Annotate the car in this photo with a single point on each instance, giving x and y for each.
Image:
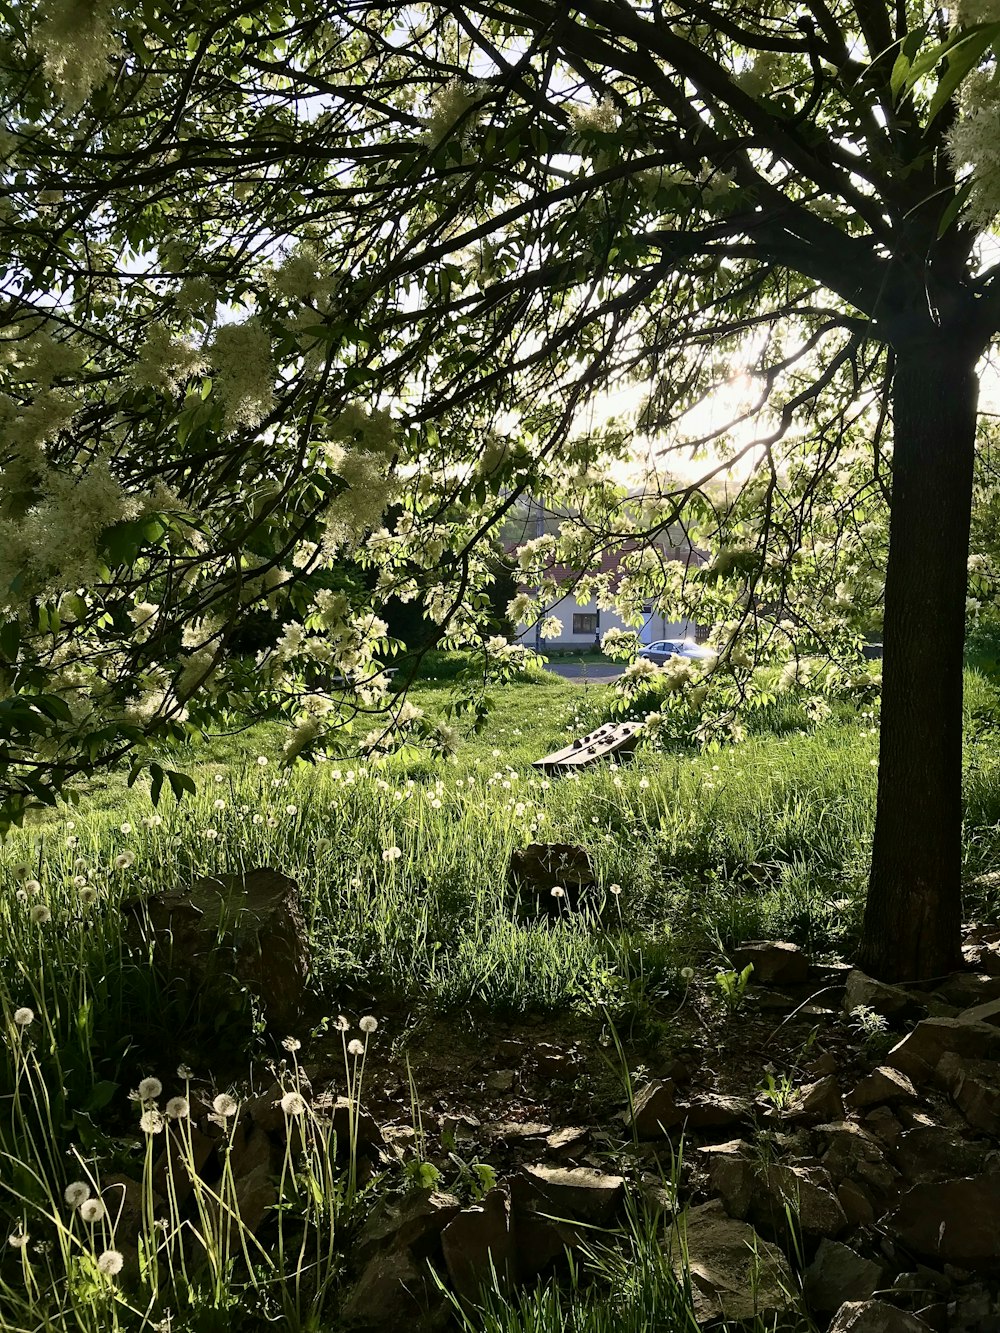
(663, 649)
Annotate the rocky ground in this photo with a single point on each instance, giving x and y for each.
(823, 1142)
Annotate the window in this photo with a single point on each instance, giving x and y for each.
(585, 622)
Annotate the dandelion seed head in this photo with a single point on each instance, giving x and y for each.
(87, 896)
(151, 1122)
(178, 1108)
(24, 1016)
(123, 860)
(615, 889)
(93, 1210)
(355, 1047)
(292, 1044)
(77, 1193)
(687, 973)
(32, 886)
(368, 1024)
(149, 1089)
(392, 854)
(185, 1072)
(18, 1240)
(40, 914)
(110, 1262)
(558, 891)
(224, 1105)
(293, 1104)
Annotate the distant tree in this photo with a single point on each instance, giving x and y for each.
(271, 269)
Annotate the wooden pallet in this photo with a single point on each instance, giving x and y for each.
(615, 740)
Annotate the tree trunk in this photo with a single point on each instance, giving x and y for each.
(912, 925)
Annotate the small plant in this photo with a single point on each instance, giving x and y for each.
(733, 988)
(780, 1091)
(872, 1028)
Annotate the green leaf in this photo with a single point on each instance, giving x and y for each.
(954, 208)
(10, 639)
(961, 59)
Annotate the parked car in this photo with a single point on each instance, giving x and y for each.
(661, 651)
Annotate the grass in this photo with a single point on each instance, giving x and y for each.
(402, 867)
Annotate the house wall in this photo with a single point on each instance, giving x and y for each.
(656, 627)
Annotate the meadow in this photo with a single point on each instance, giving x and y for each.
(402, 866)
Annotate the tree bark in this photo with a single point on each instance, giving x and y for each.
(912, 924)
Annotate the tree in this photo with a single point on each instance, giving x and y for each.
(273, 271)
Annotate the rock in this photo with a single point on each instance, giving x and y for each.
(124, 1199)
(875, 1317)
(574, 1193)
(883, 1085)
(535, 871)
(974, 1087)
(857, 1203)
(850, 1152)
(477, 1243)
(968, 988)
(775, 963)
(809, 1193)
(412, 1223)
(714, 1111)
(928, 1154)
(884, 1125)
(181, 1159)
(982, 958)
(957, 1221)
(247, 926)
(338, 1113)
(987, 1012)
(554, 1063)
(255, 1193)
(389, 1294)
(252, 1150)
(838, 1274)
(816, 1101)
(511, 1131)
(502, 1080)
(654, 1111)
(459, 1128)
(565, 1140)
(732, 1175)
(265, 1108)
(889, 1001)
(734, 1273)
(917, 1055)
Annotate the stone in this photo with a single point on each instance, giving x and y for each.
(974, 1087)
(732, 1175)
(567, 1139)
(928, 1154)
(574, 1193)
(654, 1111)
(543, 865)
(858, 1204)
(502, 1080)
(884, 1125)
(816, 1101)
(255, 1193)
(987, 1012)
(247, 926)
(810, 1195)
(968, 988)
(264, 1109)
(955, 1221)
(412, 1223)
(734, 1273)
(252, 1150)
(875, 1317)
(917, 1055)
(459, 1128)
(181, 1159)
(338, 1113)
(555, 1063)
(838, 1274)
(847, 1149)
(883, 1085)
(390, 1293)
(889, 1001)
(982, 958)
(714, 1111)
(775, 963)
(513, 1130)
(478, 1243)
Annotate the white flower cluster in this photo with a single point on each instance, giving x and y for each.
(973, 142)
(244, 372)
(451, 104)
(619, 644)
(74, 38)
(166, 363)
(602, 118)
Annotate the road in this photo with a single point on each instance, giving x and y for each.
(593, 673)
